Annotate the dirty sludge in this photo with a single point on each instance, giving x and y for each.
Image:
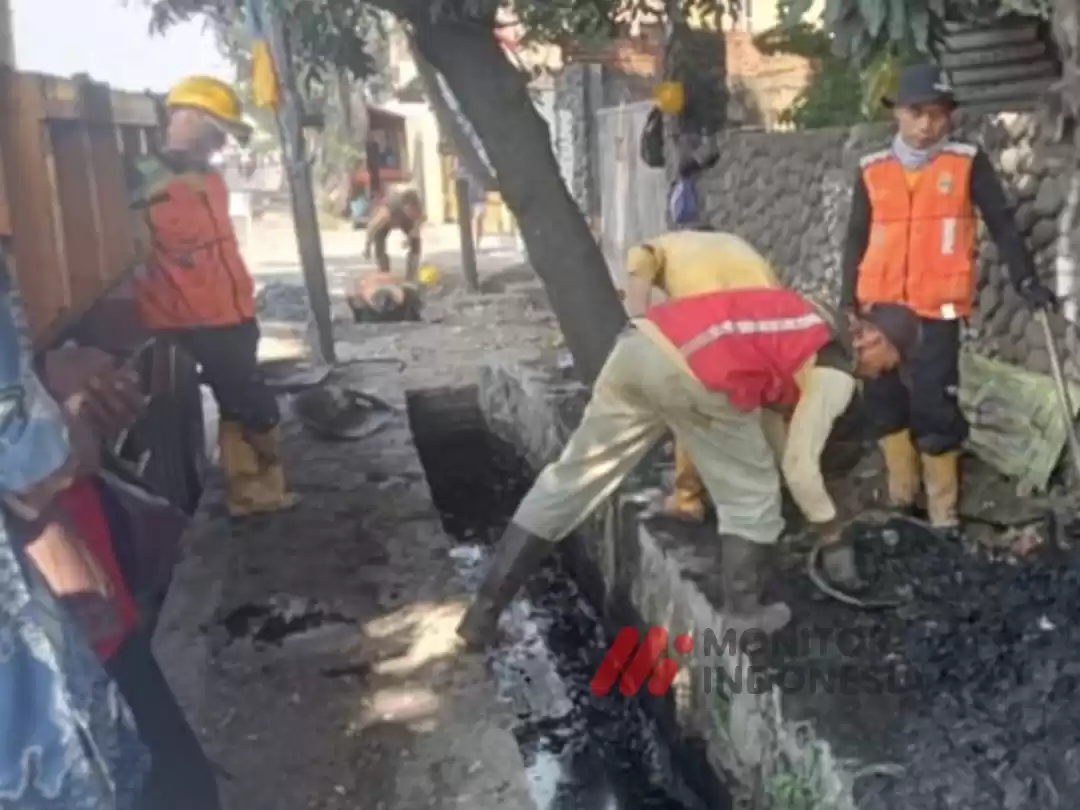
(582, 752)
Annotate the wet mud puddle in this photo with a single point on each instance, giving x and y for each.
(582, 752)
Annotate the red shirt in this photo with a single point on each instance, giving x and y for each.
(82, 501)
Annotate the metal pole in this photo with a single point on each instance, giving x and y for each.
(301, 193)
(1062, 391)
(468, 248)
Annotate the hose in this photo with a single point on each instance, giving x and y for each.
(813, 562)
(401, 364)
(812, 571)
(890, 769)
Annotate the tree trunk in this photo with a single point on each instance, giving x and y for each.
(449, 123)
(493, 95)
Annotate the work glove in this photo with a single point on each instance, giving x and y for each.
(1036, 294)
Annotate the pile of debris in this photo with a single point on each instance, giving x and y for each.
(976, 672)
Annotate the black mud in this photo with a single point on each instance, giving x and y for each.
(582, 752)
(278, 619)
(977, 674)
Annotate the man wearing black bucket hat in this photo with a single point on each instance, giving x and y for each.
(705, 367)
(912, 240)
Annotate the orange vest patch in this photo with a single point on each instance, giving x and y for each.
(923, 229)
(195, 275)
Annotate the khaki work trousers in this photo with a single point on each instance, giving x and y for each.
(640, 394)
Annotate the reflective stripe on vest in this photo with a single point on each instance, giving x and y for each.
(922, 242)
(748, 343)
(196, 275)
(725, 328)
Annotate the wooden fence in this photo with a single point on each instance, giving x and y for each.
(64, 147)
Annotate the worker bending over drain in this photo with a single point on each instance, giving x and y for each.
(685, 263)
(704, 367)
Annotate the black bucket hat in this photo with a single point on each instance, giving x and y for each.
(922, 84)
(899, 324)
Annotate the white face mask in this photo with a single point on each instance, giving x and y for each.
(912, 158)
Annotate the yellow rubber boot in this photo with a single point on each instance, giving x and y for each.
(942, 474)
(901, 468)
(269, 491)
(686, 501)
(240, 465)
(254, 478)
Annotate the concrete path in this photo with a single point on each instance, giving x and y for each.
(365, 700)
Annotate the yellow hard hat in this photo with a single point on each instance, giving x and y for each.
(428, 275)
(214, 97)
(670, 97)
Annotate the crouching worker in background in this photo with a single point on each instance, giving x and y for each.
(399, 210)
(195, 290)
(379, 297)
(704, 367)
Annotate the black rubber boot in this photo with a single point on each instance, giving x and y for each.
(744, 567)
(516, 557)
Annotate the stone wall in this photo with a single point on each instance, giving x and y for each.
(787, 193)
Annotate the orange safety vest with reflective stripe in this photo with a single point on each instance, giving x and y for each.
(195, 275)
(921, 249)
(748, 344)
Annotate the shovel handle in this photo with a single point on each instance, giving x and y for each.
(1062, 390)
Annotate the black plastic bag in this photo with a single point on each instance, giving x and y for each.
(652, 139)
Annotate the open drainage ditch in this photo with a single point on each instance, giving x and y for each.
(582, 752)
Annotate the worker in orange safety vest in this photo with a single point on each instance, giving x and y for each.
(912, 240)
(194, 288)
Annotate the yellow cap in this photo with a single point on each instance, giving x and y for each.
(214, 97)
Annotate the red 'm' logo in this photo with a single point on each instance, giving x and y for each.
(644, 663)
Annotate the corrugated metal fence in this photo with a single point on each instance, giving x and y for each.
(632, 193)
(1005, 65)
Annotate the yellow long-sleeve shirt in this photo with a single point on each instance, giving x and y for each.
(686, 263)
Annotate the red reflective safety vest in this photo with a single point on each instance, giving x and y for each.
(748, 343)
